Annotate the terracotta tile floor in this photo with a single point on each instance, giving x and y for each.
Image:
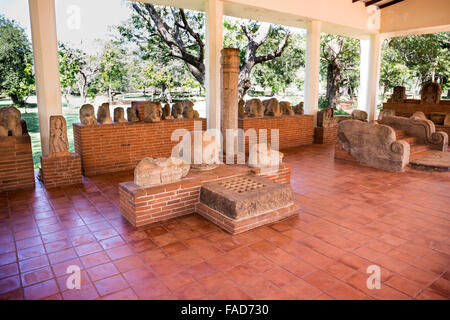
(351, 217)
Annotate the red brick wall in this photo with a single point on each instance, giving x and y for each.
(120, 146)
(16, 163)
(325, 135)
(61, 171)
(294, 131)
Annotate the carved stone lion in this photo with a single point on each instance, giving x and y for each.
(286, 108)
(272, 107)
(255, 108)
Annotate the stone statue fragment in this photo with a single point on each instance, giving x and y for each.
(10, 122)
(103, 114)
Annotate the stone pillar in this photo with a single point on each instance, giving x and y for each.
(214, 43)
(312, 68)
(373, 74)
(45, 51)
(364, 59)
(229, 96)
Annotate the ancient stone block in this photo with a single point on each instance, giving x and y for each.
(10, 122)
(132, 114)
(431, 93)
(359, 115)
(119, 115)
(152, 112)
(245, 196)
(385, 112)
(59, 144)
(286, 108)
(103, 114)
(262, 156)
(299, 108)
(272, 107)
(166, 114)
(437, 117)
(325, 118)
(255, 108)
(200, 149)
(150, 172)
(87, 115)
(177, 110)
(417, 114)
(399, 95)
(242, 114)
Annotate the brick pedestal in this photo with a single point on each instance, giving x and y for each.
(16, 163)
(120, 146)
(294, 131)
(325, 135)
(60, 171)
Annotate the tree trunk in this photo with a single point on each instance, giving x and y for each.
(333, 84)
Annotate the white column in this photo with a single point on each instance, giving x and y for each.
(312, 68)
(45, 51)
(371, 80)
(214, 45)
(363, 73)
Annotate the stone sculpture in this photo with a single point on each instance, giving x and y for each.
(272, 107)
(151, 172)
(10, 122)
(417, 115)
(438, 117)
(398, 95)
(152, 112)
(325, 118)
(132, 114)
(241, 109)
(262, 156)
(385, 112)
(177, 110)
(87, 115)
(254, 108)
(59, 144)
(431, 93)
(103, 114)
(119, 115)
(200, 149)
(166, 115)
(359, 115)
(286, 108)
(447, 120)
(188, 109)
(299, 108)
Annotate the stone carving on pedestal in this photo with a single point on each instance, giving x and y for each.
(200, 149)
(359, 115)
(151, 172)
(286, 108)
(255, 108)
(325, 118)
(299, 108)
(87, 115)
(152, 112)
(166, 115)
(431, 93)
(417, 114)
(188, 109)
(59, 144)
(10, 122)
(399, 95)
(272, 107)
(262, 156)
(385, 112)
(119, 115)
(132, 114)
(177, 110)
(241, 109)
(103, 114)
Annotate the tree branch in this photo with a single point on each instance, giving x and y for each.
(277, 53)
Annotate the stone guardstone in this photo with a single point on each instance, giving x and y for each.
(245, 196)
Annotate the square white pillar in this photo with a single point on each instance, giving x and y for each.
(214, 45)
(312, 68)
(46, 66)
(363, 73)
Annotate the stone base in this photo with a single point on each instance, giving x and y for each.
(241, 225)
(60, 171)
(16, 163)
(325, 135)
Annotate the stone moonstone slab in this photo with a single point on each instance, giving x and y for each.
(246, 196)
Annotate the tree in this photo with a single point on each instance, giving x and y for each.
(112, 70)
(340, 56)
(180, 35)
(16, 77)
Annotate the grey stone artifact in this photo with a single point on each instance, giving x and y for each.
(200, 149)
(152, 112)
(262, 156)
(399, 95)
(255, 108)
(385, 112)
(325, 118)
(272, 107)
(299, 108)
(188, 109)
(431, 93)
(177, 110)
(447, 120)
(241, 109)
(10, 122)
(59, 144)
(132, 114)
(119, 115)
(103, 114)
(286, 108)
(87, 115)
(359, 115)
(417, 114)
(166, 115)
(151, 172)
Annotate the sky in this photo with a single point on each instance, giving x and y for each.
(81, 23)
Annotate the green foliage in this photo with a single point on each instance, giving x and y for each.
(113, 69)
(16, 77)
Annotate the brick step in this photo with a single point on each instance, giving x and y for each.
(399, 134)
(418, 148)
(411, 140)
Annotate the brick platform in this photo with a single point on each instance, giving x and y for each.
(294, 131)
(143, 206)
(120, 146)
(325, 135)
(16, 163)
(407, 109)
(61, 171)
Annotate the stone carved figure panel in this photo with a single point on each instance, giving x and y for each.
(103, 114)
(272, 107)
(119, 115)
(255, 108)
(188, 110)
(59, 144)
(299, 108)
(359, 115)
(431, 93)
(325, 118)
(286, 108)
(177, 110)
(10, 122)
(398, 95)
(150, 172)
(242, 114)
(152, 112)
(132, 114)
(87, 115)
(166, 115)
